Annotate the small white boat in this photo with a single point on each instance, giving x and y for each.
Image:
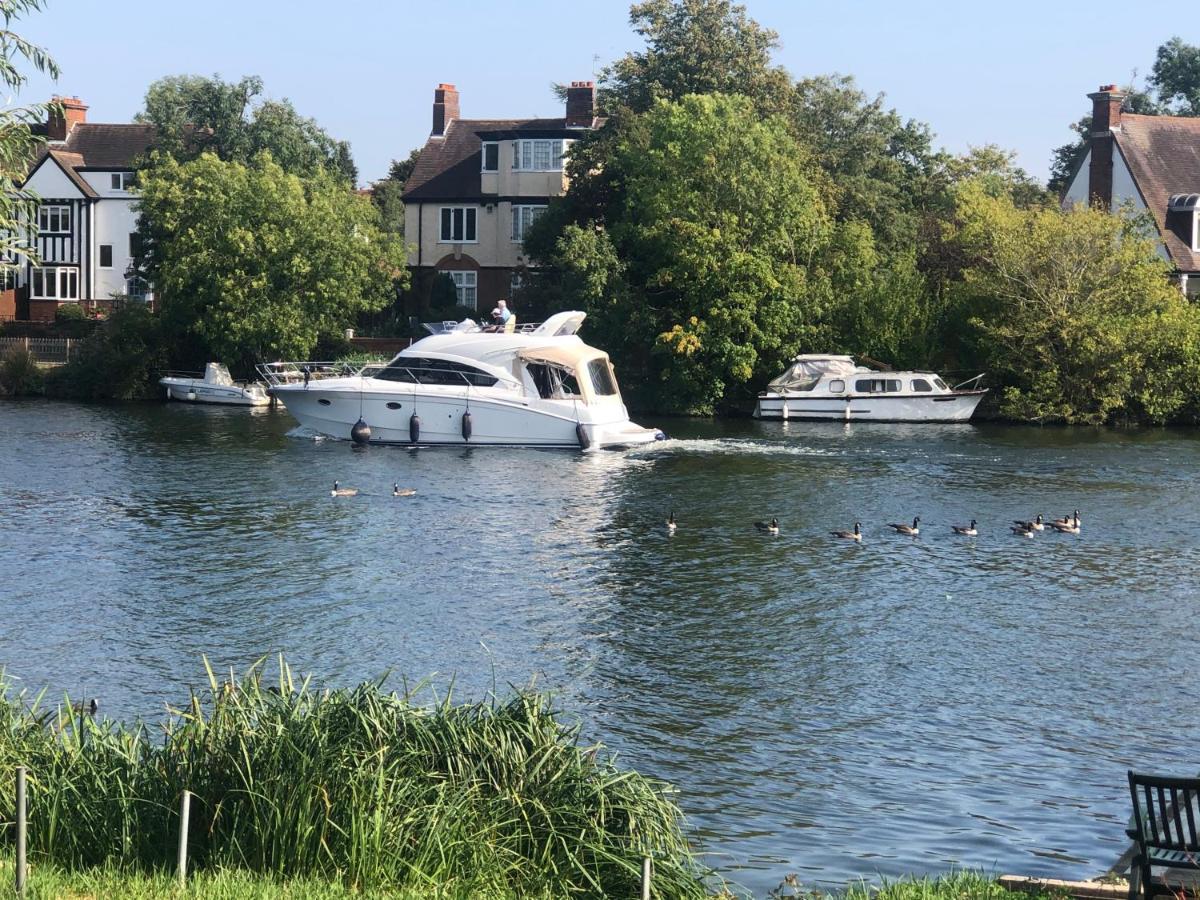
(540, 386)
(818, 386)
(216, 386)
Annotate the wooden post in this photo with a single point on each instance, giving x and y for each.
(21, 867)
(185, 811)
(646, 878)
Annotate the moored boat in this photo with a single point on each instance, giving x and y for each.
(216, 385)
(819, 386)
(538, 387)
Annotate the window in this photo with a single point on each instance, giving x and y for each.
(458, 224)
(893, 386)
(538, 156)
(491, 157)
(920, 384)
(877, 385)
(522, 218)
(837, 386)
(422, 370)
(137, 288)
(465, 284)
(515, 283)
(601, 377)
(106, 256)
(122, 181)
(135, 245)
(54, 219)
(54, 283)
(941, 384)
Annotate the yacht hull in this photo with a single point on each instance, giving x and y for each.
(957, 406)
(199, 391)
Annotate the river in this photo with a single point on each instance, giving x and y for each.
(824, 708)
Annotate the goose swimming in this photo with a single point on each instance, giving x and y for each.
(968, 530)
(671, 523)
(913, 529)
(1025, 529)
(343, 492)
(1036, 525)
(398, 491)
(855, 535)
(1071, 527)
(771, 527)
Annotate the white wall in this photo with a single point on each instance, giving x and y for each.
(1077, 192)
(52, 183)
(115, 220)
(1124, 189)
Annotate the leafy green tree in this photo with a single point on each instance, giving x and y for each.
(388, 196)
(195, 115)
(1176, 77)
(696, 47)
(252, 263)
(18, 144)
(1065, 159)
(705, 273)
(1075, 314)
(401, 169)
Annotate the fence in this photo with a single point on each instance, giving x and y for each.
(46, 350)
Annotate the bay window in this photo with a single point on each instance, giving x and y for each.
(538, 156)
(522, 218)
(54, 283)
(458, 225)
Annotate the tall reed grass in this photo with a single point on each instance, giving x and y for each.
(361, 786)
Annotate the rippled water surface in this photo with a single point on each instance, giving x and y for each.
(824, 708)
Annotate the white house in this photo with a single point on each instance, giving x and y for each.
(86, 218)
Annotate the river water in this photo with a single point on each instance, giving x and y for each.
(828, 709)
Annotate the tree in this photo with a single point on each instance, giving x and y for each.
(17, 141)
(705, 273)
(1075, 314)
(254, 263)
(195, 115)
(401, 169)
(696, 47)
(388, 196)
(1065, 159)
(1176, 77)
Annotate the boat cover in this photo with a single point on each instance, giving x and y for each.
(808, 368)
(215, 373)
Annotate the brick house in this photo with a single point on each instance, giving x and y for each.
(477, 186)
(86, 217)
(1152, 163)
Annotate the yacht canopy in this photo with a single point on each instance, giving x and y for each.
(573, 357)
(807, 368)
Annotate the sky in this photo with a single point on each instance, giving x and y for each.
(1012, 74)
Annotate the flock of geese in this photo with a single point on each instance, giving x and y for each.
(1020, 527)
(397, 491)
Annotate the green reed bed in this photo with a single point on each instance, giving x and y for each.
(361, 787)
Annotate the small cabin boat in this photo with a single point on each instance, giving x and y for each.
(818, 386)
(216, 386)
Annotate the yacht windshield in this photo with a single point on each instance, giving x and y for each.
(600, 373)
(554, 382)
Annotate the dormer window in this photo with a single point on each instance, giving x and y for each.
(491, 157)
(1183, 213)
(122, 181)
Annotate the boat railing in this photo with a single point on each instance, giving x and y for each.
(451, 327)
(179, 373)
(970, 384)
(277, 373)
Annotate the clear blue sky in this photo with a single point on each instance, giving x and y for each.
(1014, 74)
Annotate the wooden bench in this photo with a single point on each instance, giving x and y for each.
(1163, 828)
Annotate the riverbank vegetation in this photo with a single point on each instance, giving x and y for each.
(358, 786)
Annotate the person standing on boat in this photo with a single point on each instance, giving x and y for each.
(501, 316)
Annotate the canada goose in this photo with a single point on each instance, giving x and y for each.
(1071, 527)
(855, 535)
(671, 523)
(968, 530)
(88, 709)
(1036, 525)
(1025, 529)
(343, 492)
(1068, 520)
(398, 491)
(912, 529)
(771, 527)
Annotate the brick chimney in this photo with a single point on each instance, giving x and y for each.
(445, 108)
(59, 124)
(1106, 119)
(581, 104)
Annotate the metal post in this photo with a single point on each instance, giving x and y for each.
(185, 811)
(21, 867)
(645, 878)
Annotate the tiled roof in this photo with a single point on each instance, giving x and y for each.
(448, 167)
(1163, 155)
(97, 146)
(70, 163)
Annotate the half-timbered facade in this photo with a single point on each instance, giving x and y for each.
(85, 223)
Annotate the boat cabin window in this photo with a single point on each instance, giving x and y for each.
(877, 385)
(602, 379)
(941, 384)
(553, 382)
(837, 386)
(920, 384)
(414, 370)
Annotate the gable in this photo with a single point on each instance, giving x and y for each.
(50, 180)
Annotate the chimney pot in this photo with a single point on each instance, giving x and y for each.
(1106, 119)
(445, 108)
(60, 123)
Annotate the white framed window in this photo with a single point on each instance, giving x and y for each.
(137, 288)
(491, 157)
(466, 285)
(122, 181)
(538, 155)
(522, 218)
(54, 219)
(458, 225)
(53, 283)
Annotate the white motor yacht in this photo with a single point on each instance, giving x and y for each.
(214, 386)
(538, 387)
(817, 386)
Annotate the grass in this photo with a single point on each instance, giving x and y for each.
(358, 788)
(963, 884)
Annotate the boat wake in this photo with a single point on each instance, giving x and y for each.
(727, 447)
(303, 432)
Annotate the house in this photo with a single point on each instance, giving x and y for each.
(86, 219)
(478, 185)
(1152, 163)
